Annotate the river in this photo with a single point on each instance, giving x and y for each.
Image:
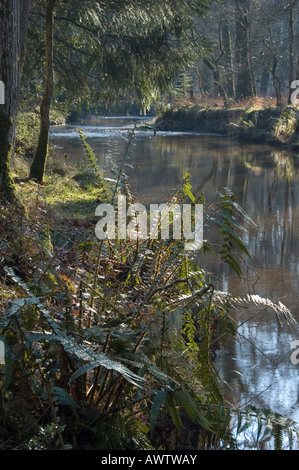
(257, 364)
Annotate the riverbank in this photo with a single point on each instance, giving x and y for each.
(81, 323)
(274, 126)
(119, 336)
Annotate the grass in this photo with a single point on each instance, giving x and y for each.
(67, 192)
(254, 103)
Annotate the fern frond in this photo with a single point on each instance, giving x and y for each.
(103, 361)
(17, 306)
(15, 278)
(62, 397)
(155, 409)
(91, 158)
(186, 401)
(263, 423)
(174, 412)
(279, 308)
(278, 437)
(234, 204)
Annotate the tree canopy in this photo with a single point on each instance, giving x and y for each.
(107, 50)
(104, 50)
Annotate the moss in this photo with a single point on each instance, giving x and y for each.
(286, 126)
(7, 187)
(72, 196)
(278, 126)
(37, 170)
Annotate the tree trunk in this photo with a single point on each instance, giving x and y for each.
(227, 48)
(245, 85)
(38, 165)
(13, 27)
(291, 50)
(276, 82)
(265, 82)
(217, 80)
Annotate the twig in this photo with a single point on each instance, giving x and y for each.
(55, 417)
(167, 286)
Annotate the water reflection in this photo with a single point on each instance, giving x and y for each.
(265, 180)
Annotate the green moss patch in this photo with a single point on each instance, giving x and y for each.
(278, 126)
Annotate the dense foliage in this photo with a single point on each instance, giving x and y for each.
(110, 344)
(105, 51)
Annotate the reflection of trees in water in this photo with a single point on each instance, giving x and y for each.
(257, 366)
(264, 180)
(266, 187)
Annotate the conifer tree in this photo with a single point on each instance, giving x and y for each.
(113, 48)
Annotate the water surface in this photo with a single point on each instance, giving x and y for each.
(257, 364)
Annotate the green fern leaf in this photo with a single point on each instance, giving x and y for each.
(62, 397)
(188, 404)
(278, 437)
(155, 410)
(109, 364)
(174, 412)
(236, 206)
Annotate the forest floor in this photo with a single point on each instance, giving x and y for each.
(54, 216)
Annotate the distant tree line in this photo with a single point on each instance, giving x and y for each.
(254, 50)
(81, 54)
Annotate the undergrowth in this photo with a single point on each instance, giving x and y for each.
(110, 343)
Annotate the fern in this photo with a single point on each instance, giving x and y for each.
(101, 360)
(145, 333)
(174, 411)
(184, 398)
(278, 436)
(91, 158)
(280, 309)
(155, 409)
(224, 215)
(62, 397)
(70, 345)
(261, 422)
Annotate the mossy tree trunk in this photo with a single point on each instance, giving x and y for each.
(245, 86)
(37, 170)
(13, 27)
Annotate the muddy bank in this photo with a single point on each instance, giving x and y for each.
(275, 126)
